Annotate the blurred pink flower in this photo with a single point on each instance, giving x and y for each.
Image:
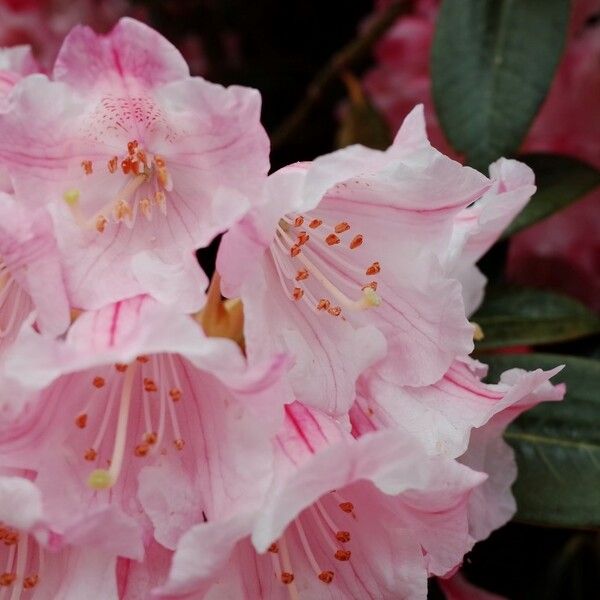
(344, 518)
(139, 163)
(561, 252)
(42, 24)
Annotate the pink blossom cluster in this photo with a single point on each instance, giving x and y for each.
(322, 432)
(561, 252)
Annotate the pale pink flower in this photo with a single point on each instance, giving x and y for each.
(458, 588)
(561, 252)
(15, 63)
(443, 415)
(344, 518)
(134, 157)
(347, 248)
(39, 563)
(134, 418)
(479, 226)
(30, 272)
(492, 504)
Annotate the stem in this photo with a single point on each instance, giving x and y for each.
(342, 60)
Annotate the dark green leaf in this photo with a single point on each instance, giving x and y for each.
(492, 64)
(517, 316)
(560, 180)
(557, 444)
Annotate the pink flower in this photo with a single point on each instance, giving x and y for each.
(42, 24)
(138, 423)
(28, 567)
(443, 415)
(30, 272)
(344, 517)
(348, 248)
(561, 252)
(458, 588)
(15, 63)
(479, 226)
(137, 160)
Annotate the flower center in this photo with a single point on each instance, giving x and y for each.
(329, 289)
(155, 383)
(314, 533)
(145, 189)
(21, 570)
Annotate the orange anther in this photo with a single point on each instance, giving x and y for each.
(101, 222)
(10, 538)
(122, 210)
(287, 578)
(126, 166)
(90, 454)
(179, 444)
(373, 269)
(301, 275)
(371, 284)
(297, 293)
(88, 167)
(298, 221)
(335, 311)
(326, 576)
(332, 239)
(132, 147)
(175, 394)
(98, 382)
(342, 536)
(357, 240)
(113, 164)
(143, 359)
(295, 250)
(141, 155)
(303, 237)
(343, 555)
(323, 304)
(141, 449)
(6, 579)
(341, 227)
(150, 438)
(149, 385)
(121, 367)
(81, 421)
(315, 223)
(30, 582)
(274, 548)
(347, 507)
(159, 161)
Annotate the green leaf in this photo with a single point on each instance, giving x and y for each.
(557, 444)
(522, 316)
(492, 65)
(560, 180)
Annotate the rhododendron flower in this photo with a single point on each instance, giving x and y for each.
(458, 588)
(15, 63)
(134, 406)
(348, 243)
(479, 226)
(133, 156)
(443, 414)
(29, 569)
(344, 518)
(29, 268)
